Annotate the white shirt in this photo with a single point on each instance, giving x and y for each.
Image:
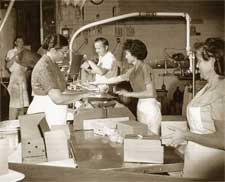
(11, 53)
(108, 61)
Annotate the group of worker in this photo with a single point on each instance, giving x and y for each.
(204, 153)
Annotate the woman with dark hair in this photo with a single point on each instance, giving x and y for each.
(46, 45)
(141, 79)
(48, 85)
(204, 153)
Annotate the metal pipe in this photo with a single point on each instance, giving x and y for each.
(129, 15)
(193, 75)
(7, 14)
(41, 22)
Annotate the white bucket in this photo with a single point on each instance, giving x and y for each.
(4, 152)
(9, 130)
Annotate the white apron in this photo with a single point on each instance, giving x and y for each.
(55, 114)
(17, 87)
(201, 161)
(148, 112)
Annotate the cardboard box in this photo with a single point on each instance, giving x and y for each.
(132, 127)
(64, 128)
(100, 113)
(120, 112)
(33, 148)
(85, 114)
(29, 125)
(172, 121)
(102, 126)
(56, 145)
(173, 118)
(146, 149)
(38, 139)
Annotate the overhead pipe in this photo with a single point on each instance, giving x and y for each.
(136, 14)
(7, 14)
(1, 27)
(41, 22)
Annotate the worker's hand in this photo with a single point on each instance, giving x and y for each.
(177, 137)
(97, 83)
(123, 93)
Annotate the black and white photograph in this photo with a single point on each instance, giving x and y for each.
(112, 90)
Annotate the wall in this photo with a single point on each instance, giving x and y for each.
(207, 17)
(6, 38)
(158, 34)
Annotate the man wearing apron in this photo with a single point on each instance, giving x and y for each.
(141, 79)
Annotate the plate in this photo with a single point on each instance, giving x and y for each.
(12, 176)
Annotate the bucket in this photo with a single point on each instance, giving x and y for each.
(9, 129)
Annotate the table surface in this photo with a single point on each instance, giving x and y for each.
(38, 173)
(100, 160)
(98, 152)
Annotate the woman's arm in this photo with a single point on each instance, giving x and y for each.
(64, 98)
(214, 140)
(148, 93)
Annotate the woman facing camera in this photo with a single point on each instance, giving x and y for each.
(49, 86)
(204, 154)
(141, 79)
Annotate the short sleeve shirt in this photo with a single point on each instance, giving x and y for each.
(108, 62)
(140, 77)
(211, 102)
(46, 75)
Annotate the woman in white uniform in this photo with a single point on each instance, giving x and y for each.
(141, 79)
(204, 153)
(48, 85)
(17, 88)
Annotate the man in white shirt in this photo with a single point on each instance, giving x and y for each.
(107, 64)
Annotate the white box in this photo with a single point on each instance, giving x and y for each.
(132, 127)
(101, 125)
(56, 145)
(146, 150)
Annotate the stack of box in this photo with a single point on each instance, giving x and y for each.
(146, 149)
(40, 143)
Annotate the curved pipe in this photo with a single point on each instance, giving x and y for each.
(135, 14)
(7, 14)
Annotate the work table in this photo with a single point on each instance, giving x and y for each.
(37, 173)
